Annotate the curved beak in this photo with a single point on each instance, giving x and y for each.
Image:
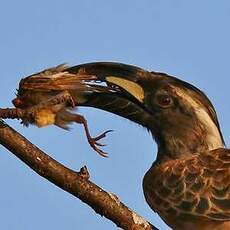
(125, 92)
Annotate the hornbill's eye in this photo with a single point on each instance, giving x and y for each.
(163, 100)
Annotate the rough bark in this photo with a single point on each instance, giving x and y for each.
(76, 183)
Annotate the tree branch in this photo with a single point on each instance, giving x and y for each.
(76, 183)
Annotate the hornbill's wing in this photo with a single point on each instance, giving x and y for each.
(195, 187)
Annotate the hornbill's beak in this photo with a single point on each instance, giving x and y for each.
(127, 89)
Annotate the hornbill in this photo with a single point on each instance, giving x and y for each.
(189, 183)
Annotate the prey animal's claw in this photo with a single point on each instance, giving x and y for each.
(102, 135)
(94, 143)
(99, 144)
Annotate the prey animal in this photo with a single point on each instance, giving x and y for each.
(49, 97)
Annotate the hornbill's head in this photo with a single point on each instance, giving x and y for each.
(180, 117)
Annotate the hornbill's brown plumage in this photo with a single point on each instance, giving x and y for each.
(189, 183)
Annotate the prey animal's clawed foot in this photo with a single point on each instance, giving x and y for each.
(94, 143)
(102, 136)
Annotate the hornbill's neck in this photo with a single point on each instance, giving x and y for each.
(183, 140)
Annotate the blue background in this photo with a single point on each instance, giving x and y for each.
(188, 39)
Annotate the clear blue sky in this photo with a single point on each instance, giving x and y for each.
(188, 39)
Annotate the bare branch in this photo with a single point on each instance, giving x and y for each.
(76, 183)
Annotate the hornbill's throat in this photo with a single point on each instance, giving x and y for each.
(180, 116)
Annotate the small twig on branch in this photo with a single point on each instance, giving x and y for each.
(76, 183)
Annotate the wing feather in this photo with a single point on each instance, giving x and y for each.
(198, 186)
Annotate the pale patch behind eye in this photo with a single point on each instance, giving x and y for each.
(213, 137)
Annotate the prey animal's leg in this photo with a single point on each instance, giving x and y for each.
(92, 141)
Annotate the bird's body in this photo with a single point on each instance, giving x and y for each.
(189, 183)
